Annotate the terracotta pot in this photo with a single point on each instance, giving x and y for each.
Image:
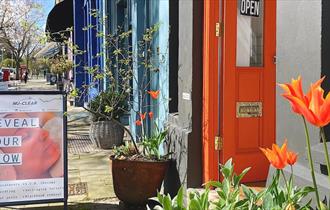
(136, 181)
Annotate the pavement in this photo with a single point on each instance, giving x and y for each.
(89, 175)
(32, 84)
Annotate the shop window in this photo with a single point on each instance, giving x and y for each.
(250, 20)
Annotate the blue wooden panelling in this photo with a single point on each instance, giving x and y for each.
(159, 15)
(101, 6)
(79, 74)
(143, 14)
(139, 15)
(138, 26)
(92, 50)
(164, 79)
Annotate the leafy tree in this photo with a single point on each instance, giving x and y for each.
(7, 62)
(19, 31)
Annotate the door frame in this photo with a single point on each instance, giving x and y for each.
(215, 11)
(210, 128)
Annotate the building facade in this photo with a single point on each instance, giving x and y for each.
(127, 15)
(285, 44)
(223, 61)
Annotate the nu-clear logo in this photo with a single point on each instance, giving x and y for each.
(25, 102)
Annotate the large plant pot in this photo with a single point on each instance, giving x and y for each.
(106, 134)
(136, 181)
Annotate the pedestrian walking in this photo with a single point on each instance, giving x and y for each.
(26, 74)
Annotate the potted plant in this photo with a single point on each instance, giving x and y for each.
(59, 66)
(106, 109)
(138, 169)
(139, 166)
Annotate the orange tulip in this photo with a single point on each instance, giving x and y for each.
(294, 90)
(154, 94)
(151, 115)
(138, 123)
(313, 106)
(291, 158)
(143, 116)
(277, 156)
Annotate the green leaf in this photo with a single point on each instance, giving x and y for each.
(323, 206)
(194, 205)
(227, 169)
(226, 186)
(281, 198)
(307, 205)
(240, 204)
(268, 201)
(158, 208)
(239, 177)
(248, 192)
(221, 194)
(205, 199)
(179, 197)
(160, 198)
(216, 184)
(167, 203)
(260, 195)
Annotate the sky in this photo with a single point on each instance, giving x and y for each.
(47, 7)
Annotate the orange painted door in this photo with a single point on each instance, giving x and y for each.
(248, 84)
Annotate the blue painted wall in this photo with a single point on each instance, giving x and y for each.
(85, 37)
(79, 41)
(138, 15)
(129, 14)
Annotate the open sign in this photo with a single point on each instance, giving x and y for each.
(250, 7)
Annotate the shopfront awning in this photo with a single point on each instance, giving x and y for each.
(49, 50)
(59, 20)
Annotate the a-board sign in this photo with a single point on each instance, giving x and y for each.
(33, 157)
(250, 7)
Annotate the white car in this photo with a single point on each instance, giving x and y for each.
(12, 73)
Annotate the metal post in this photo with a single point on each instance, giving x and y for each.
(65, 207)
(12, 60)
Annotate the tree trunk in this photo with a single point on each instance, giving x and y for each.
(18, 73)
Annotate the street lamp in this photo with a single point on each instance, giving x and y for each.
(12, 60)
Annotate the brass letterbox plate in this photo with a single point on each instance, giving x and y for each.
(248, 109)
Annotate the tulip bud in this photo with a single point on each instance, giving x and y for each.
(290, 206)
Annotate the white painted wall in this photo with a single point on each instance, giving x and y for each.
(298, 53)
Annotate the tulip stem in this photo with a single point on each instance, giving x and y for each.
(326, 151)
(311, 165)
(286, 184)
(291, 179)
(285, 180)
